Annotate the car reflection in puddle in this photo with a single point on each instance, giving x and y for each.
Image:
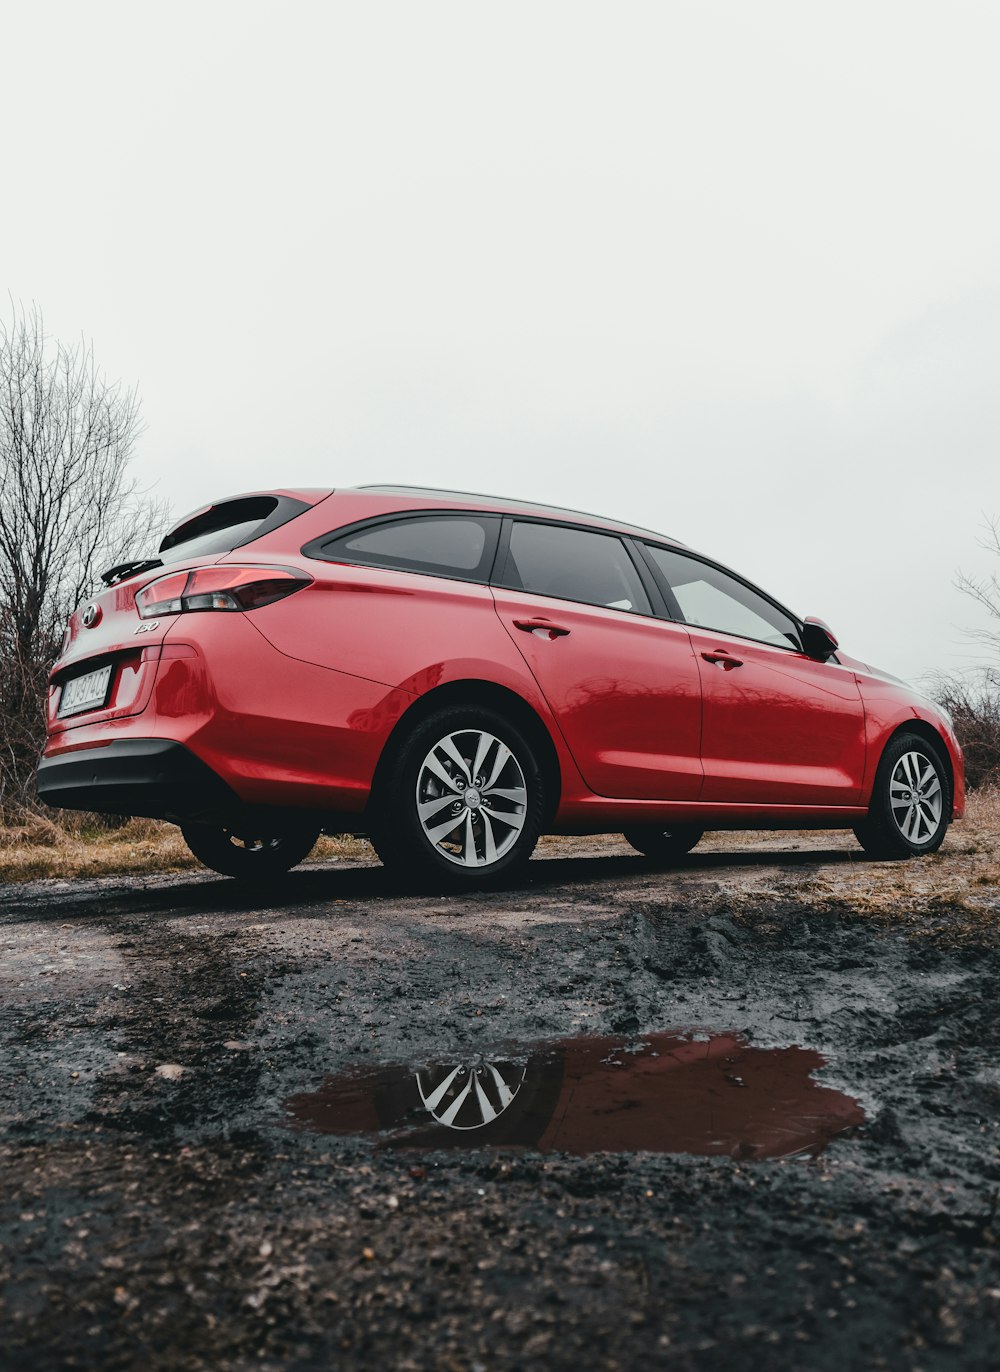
(679, 1092)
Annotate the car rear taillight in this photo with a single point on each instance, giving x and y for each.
(218, 588)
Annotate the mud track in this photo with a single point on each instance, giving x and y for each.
(182, 1220)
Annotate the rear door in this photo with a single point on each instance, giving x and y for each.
(778, 727)
(623, 685)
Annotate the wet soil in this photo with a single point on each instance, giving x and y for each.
(167, 1201)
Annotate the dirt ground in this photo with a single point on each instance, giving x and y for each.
(162, 1208)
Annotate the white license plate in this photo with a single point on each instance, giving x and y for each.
(85, 692)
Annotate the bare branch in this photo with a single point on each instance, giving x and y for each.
(973, 700)
(69, 507)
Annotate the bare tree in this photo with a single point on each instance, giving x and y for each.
(974, 707)
(973, 698)
(69, 508)
(986, 590)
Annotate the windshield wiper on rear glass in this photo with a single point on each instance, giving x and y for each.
(126, 569)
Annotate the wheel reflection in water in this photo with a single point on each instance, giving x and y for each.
(679, 1092)
(469, 1096)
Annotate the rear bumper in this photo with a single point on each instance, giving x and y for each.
(154, 777)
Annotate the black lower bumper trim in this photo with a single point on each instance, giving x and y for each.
(153, 777)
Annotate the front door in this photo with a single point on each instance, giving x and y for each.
(778, 727)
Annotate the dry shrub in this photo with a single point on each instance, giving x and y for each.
(975, 709)
(984, 810)
(87, 824)
(36, 832)
(31, 850)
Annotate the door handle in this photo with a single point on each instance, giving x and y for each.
(541, 628)
(723, 659)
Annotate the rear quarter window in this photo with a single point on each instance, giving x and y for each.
(457, 546)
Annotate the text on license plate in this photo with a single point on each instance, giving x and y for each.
(85, 692)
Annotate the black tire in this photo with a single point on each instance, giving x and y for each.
(246, 854)
(892, 809)
(664, 845)
(396, 828)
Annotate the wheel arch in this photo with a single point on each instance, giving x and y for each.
(929, 734)
(474, 691)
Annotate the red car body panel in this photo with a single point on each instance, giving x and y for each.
(889, 705)
(783, 729)
(624, 689)
(293, 703)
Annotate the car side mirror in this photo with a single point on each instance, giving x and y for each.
(817, 639)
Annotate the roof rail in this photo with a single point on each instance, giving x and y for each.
(397, 489)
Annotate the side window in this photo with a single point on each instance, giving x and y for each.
(460, 546)
(712, 600)
(573, 564)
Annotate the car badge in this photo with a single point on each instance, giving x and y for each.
(91, 615)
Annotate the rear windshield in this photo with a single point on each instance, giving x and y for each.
(228, 525)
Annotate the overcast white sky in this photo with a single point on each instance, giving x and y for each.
(728, 270)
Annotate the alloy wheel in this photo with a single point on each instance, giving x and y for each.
(251, 843)
(247, 853)
(916, 797)
(472, 798)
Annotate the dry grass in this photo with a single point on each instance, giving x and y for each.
(965, 874)
(41, 848)
(963, 878)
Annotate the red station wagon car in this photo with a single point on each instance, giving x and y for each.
(454, 675)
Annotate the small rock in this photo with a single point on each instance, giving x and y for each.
(170, 1071)
(368, 1254)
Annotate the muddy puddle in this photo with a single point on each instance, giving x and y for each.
(678, 1092)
